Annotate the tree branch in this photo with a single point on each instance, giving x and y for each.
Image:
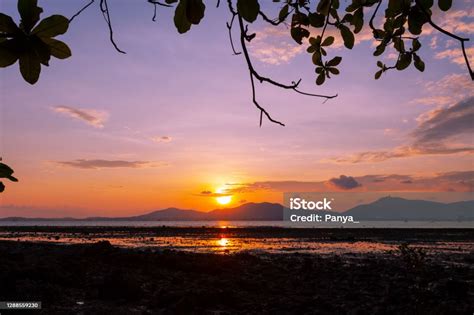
(80, 11)
(371, 21)
(445, 32)
(229, 27)
(105, 12)
(244, 36)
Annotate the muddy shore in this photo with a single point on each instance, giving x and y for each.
(99, 278)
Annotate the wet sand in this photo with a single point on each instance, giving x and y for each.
(99, 278)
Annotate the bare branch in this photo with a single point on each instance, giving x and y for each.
(229, 27)
(445, 32)
(274, 22)
(155, 4)
(244, 36)
(80, 11)
(105, 12)
(371, 22)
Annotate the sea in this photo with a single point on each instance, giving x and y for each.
(244, 224)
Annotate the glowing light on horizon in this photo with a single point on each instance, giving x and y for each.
(223, 242)
(223, 200)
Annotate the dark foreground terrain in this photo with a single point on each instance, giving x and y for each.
(99, 278)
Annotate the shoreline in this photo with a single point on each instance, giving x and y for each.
(100, 278)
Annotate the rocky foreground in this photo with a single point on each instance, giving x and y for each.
(102, 279)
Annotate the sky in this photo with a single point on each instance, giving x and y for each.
(171, 123)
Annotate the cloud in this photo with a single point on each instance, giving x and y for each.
(159, 139)
(98, 164)
(455, 55)
(437, 132)
(450, 89)
(441, 124)
(461, 181)
(91, 117)
(275, 46)
(208, 193)
(344, 182)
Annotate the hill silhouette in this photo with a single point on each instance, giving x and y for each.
(386, 208)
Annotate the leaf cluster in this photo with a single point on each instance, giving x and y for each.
(31, 42)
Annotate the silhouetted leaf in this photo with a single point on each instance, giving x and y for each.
(404, 61)
(283, 12)
(195, 11)
(334, 61)
(180, 19)
(298, 33)
(379, 49)
(398, 44)
(378, 74)
(324, 6)
(416, 19)
(51, 26)
(29, 13)
(42, 50)
(30, 66)
(416, 44)
(316, 58)
(321, 78)
(427, 4)
(419, 64)
(358, 20)
(7, 25)
(316, 19)
(328, 41)
(445, 5)
(8, 55)
(248, 9)
(347, 36)
(58, 49)
(333, 70)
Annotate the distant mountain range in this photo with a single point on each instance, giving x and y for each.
(387, 208)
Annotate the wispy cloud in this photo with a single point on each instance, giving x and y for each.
(98, 164)
(436, 132)
(455, 55)
(159, 139)
(274, 45)
(462, 181)
(208, 193)
(91, 117)
(448, 90)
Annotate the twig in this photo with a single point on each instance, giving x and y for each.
(155, 4)
(105, 12)
(445, 32)
(371, 22)
(255, 75)
(229, 27)
(80, 11)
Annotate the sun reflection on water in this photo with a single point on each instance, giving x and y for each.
(223, 242)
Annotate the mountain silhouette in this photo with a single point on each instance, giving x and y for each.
(386, 208)
(395, 208)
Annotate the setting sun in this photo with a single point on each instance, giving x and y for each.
(223, 200)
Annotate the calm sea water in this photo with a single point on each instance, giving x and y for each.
(364, 224)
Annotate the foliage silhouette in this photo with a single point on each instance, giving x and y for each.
(401, 27)
(6, 172)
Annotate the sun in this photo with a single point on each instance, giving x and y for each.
(223, 200)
